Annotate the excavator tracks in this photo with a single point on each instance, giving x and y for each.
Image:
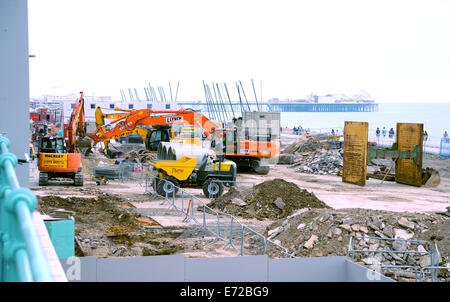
(43, 179)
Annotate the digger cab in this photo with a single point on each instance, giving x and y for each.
(177, 133)
(51, 145)
(155, 136)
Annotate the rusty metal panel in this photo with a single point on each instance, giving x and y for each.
(355, 152)
(406, 170)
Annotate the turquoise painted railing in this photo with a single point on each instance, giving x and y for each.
(21, 255)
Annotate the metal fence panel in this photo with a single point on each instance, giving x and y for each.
(80, 269)
(318, 269)
(407, 170)
(227, 269)
(178, 268)
(355, 153)
(444, 149)
(141, 269)
(357, 273)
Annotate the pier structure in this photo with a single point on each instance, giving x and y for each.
(289, 107)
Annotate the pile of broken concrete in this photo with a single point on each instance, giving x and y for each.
(141, 156)
(314, 157)
(321, 162)
(326, 232)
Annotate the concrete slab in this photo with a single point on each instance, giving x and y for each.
(171, 222)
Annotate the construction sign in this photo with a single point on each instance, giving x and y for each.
(137, 168)
(407, 170)
(355, 152)
(54, 160)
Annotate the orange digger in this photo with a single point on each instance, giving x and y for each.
(58, 156)
(239, 144)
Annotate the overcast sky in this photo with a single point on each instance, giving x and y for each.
(397, 51)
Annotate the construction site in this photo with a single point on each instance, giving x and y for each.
(151, 190)
(188, 185)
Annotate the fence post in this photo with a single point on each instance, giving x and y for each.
(242, 240)
(218, 226)
(265, 245)
(182, 203)
(230, 242)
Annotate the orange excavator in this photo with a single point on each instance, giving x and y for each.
(59, 157)
(156, 126)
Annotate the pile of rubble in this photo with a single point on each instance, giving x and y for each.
(141, 156)
(271, 199)
(315, 155)
(326, 232)
(321, 161)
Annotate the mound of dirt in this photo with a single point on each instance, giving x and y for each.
(101, 212)
(108, 226)
(273, 199)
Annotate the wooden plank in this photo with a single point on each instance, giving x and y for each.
(406, 170)
(355, 152)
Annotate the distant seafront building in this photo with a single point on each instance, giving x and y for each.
(327, 103)
(62, 106)
(313, 103)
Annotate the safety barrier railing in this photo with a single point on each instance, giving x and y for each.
(432, 144)
(223, 226)
(22, 258)
(444, 148)
(432, 274)
(433, 253)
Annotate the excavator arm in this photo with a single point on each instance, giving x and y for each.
(130, 123)
(244, 151)
(76, 124)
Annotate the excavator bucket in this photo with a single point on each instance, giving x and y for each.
(431, 178)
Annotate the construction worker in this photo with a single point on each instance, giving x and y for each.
(60, 132)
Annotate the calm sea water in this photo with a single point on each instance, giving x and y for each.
(434, 116)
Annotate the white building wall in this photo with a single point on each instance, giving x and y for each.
(326, 99)
(108, 107)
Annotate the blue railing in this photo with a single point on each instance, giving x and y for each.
(445, 147)
(21, 255)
